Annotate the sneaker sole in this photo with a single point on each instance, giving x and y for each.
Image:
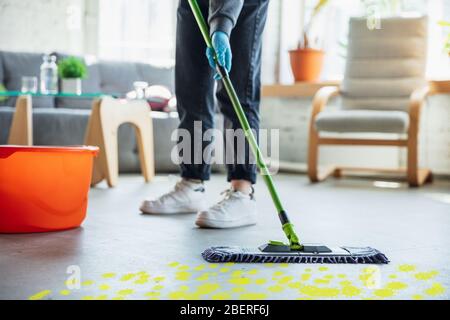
(215, 224)
(147, 210)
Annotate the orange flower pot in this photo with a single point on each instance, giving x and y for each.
(306, 64)
(44, 188)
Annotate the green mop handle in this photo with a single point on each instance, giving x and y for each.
(288, 228)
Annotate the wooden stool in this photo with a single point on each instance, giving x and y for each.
(106, 117)
(21, 132)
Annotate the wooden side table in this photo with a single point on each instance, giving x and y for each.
(106, 116)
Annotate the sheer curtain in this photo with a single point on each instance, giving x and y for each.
(144, 30)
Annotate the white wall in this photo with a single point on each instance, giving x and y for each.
(46, 25)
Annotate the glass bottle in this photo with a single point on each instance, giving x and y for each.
(49, 75)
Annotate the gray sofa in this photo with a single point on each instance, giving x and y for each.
(62, 121)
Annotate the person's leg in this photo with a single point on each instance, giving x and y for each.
(246, 45)
(238, 208)
(194, 88)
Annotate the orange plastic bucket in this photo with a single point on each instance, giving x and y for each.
(44, 188)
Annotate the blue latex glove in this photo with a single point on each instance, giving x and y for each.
(221, 44)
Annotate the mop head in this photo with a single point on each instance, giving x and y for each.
(310, 254)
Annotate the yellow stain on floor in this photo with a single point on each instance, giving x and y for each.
(253, 296)
(65, 292)
(240, 281)
(141, 281)
(236, 274)
(277, 273)
(406, 268)
(87, 283)
(207, 288)
(237, 283)
(305, 276)
(200, 267)
(221, 296)
(426, 275)
(321, 281)
(436, 289)
(351, 291)
(183, 268)
(275, 288)
(40, 295)
(285, 279)
(294, 285)
(182, 275)
(203, 277)
(125, 292)
(396, 285)
(127, 277)
(319, 292)
(104, 287)
(159, 279)
(384, 293)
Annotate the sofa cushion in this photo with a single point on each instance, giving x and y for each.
(91, 84)
(363, 121)
(17, 65)
(117, 77)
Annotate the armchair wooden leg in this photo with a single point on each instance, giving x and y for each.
(416, 177)
(313, 156)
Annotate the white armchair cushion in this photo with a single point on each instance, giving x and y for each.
(384, 66)
(363, 121)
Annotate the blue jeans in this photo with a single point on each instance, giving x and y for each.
(195, 87)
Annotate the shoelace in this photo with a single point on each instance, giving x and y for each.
(228, 193)
(170, 194)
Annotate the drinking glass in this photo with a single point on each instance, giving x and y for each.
(29, 85)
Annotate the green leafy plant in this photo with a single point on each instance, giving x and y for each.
(72, 68)
(447, 39)
(306, 43)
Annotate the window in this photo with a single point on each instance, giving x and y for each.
(287, 17)
(138, 30)
(144, 30)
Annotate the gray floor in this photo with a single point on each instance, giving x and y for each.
(122, 254)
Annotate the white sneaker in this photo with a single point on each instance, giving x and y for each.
(186, 197)
(237, 209)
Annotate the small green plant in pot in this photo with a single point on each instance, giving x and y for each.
(71, 70)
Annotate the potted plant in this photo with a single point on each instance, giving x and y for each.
(71, 70)
(306, 61)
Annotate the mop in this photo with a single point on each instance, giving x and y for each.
(275, 251)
